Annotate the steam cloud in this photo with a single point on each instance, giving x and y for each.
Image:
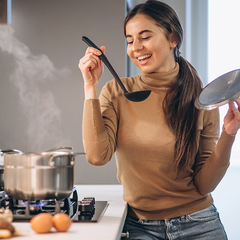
(40, 109)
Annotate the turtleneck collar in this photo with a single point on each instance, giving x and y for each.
(160, 80)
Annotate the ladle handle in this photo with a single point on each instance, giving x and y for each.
(107, 63)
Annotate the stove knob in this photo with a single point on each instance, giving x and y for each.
(92, 199)
(85, 206)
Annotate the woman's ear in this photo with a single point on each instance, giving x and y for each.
(172, 41)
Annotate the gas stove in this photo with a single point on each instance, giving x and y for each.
(86, 210)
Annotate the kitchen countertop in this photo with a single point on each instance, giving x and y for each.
(108, 228)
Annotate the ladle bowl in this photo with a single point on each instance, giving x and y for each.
(132, 96)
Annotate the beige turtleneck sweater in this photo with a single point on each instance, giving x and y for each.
(144, 146)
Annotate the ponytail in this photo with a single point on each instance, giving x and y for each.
(181, 114)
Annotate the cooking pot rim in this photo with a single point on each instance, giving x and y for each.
(57, 153)
(47, 153)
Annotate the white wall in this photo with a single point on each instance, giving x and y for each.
(37, 112)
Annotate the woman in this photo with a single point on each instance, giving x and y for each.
(169, 154)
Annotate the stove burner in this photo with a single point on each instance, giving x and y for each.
(34, 206)
(26, 210)
(86, 210)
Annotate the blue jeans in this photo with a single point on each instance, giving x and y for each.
(204, 225)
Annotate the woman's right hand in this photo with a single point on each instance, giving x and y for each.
(91, 67)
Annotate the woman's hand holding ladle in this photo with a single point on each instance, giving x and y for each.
(91, 67)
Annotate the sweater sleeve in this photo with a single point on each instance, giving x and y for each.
(214, 154)
(99, 128)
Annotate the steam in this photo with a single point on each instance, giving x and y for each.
(42, 113)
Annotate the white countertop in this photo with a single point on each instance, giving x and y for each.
(108, 228)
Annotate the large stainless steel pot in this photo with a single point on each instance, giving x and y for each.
(38, 176)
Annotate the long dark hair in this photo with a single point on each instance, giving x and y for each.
(178, 105)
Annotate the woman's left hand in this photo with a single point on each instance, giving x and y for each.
(232, 118)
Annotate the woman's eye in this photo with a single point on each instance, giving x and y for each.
(146, 38)
(143, 38)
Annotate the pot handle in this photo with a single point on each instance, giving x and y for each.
(6, 151)
(51, 163)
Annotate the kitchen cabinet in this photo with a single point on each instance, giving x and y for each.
(108, 228)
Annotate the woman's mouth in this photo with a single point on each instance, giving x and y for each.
(144, 57)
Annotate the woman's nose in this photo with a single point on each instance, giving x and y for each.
(137, 45)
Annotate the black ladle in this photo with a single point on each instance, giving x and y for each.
(133, 96)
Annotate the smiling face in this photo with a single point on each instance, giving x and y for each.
(148, 47)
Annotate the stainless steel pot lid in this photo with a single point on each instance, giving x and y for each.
(220, 91)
